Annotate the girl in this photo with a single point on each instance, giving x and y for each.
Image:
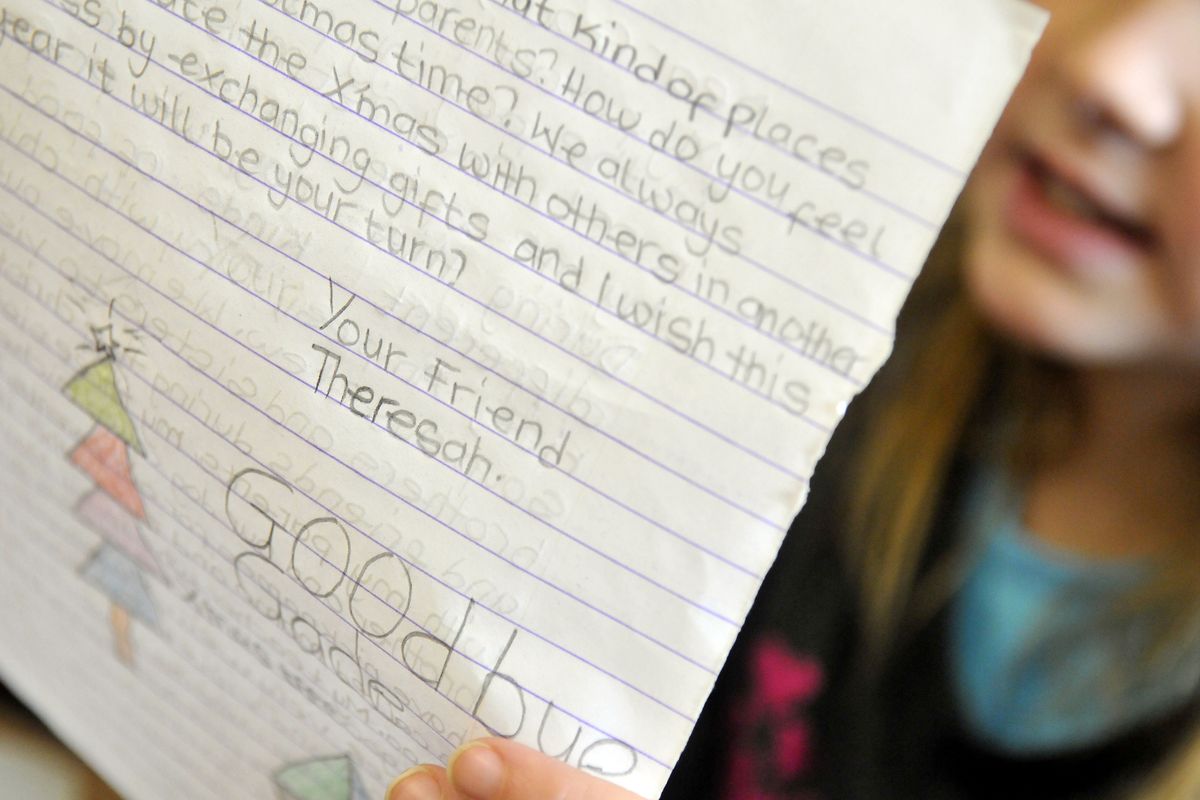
(993, 591)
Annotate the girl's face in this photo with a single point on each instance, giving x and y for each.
(1084, 212)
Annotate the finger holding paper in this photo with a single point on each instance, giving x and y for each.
(499, 769)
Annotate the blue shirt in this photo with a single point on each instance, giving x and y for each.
(1041, 665)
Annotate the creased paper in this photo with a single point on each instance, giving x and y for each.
(383, 374)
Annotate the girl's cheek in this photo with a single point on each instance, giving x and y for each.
(1181, 257)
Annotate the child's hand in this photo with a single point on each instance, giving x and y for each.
(497, 769)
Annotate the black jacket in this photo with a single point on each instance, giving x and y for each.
(789, 719)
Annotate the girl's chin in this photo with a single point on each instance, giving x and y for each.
(1040, 307)
(1070, 326)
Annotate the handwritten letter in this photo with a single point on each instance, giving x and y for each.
(387, 373)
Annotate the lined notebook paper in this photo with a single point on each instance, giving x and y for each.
(387, 373)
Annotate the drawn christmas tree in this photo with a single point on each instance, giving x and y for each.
(324, 778)
(114, 508)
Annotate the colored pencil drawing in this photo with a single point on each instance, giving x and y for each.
(114, 508)
(322, 778)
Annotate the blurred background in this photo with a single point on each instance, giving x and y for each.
(36, 766)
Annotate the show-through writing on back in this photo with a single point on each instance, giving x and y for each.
(389, 373)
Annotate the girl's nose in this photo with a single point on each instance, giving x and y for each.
(1121, 67)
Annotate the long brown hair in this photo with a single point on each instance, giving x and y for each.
(919, 418)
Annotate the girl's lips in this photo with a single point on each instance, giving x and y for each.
(1063, 223)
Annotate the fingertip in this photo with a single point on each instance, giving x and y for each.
(417, 783)
(477, 771)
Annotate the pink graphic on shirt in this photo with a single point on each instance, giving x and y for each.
(783, 679)
(773, 742)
